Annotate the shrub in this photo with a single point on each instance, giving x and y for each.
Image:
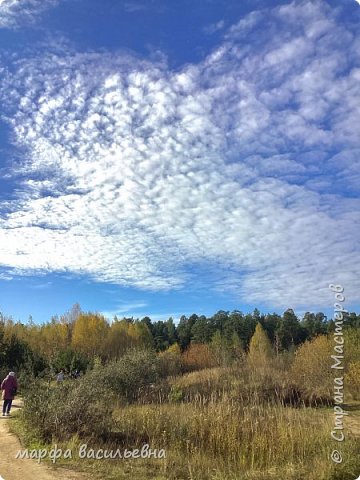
(128, 376)
(170, 361)
(69, 360)
(74, 407)
(176, 394)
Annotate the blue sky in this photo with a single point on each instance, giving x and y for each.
(164, 158)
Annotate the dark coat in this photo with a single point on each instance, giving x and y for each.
(8, 385)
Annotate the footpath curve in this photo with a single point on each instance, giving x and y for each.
(12, 468)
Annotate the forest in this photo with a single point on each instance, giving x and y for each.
(73, 340)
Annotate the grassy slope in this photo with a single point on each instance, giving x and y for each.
(216, 436)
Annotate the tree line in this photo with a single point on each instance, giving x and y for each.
(73, 340)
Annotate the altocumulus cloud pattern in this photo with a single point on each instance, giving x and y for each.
(245, 165)
(14, 13)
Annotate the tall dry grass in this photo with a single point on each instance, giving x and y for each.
(219, 425)
(227, 436)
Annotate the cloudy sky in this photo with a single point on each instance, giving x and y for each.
(162, 157)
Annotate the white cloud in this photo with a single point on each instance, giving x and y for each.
(214, 27)
(219, 174)
(134, 7)
(126, 309)
(14, 13)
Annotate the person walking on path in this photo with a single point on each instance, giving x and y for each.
(9, 387)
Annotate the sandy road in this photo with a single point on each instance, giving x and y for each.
(352, 425)
(25, 469)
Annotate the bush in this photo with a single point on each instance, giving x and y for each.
(75, 407)
(69, 360)
(176, 394)
(170, 361)
(84, 406)
(130, 375)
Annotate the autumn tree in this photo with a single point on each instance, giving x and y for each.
(124, 335)
(54, 338)
(311, 368)
(197, 356)
(220, 349)
(140, 336)
(260, 350)
(237, 349)
(69, 318)
(89, 334)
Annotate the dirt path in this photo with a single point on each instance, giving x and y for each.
(24, 469)
(353, 425)
(352, 420)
